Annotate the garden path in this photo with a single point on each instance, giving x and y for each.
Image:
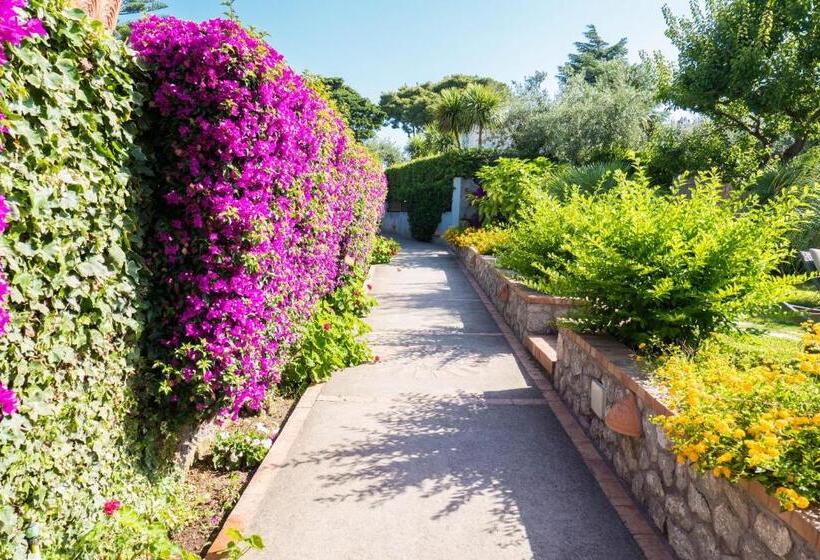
(442, 450)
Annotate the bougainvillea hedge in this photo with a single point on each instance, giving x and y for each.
(264, 203)
(101, 253)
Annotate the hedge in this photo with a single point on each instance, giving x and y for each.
(426, 185)
(94, 287)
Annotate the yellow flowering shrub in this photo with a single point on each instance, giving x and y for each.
(485, 240)
(759, 421)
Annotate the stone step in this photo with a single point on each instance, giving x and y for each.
(544, 349)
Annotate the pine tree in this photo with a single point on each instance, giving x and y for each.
(590, 53)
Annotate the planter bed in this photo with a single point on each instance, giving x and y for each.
(702, 517)
(526, 311)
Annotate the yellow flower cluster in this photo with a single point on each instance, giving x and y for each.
(485, 240)
(791, 499)
(760, 422)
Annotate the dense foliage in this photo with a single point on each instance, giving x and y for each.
(751, 65)
(652, 267)
(240, 449)
(331, 340)
(384, 249)
(755, 420)
(264, 205)
(487, 240)
(589, 56)
(72, 257)
(508, 186)
(675, 149)
(412, 108)
(426, 185)
(362, 115)
(589, 119)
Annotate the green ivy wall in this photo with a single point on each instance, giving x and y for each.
(77, 283)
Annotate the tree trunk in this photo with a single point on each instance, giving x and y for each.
(480, 134)
(794, 150)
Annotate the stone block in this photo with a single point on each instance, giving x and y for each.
(773, 534)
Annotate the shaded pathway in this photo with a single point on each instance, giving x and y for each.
(443, 449)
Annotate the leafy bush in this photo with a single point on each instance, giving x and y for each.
(331, 340)
(690, 148)
(484, 240)
(125, 529)
(507, 185)
(589, 178)
(759, 421)
(240, 450)
(426, 185)
(653, 267)
(264, 202)
(384, 249)
(802, 171)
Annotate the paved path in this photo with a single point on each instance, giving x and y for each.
(442, 450)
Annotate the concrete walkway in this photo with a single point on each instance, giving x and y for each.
(441, 450)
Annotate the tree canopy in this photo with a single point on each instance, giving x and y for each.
(590, 54)
(362, 115)
(412, 108)
(137, 7)
(751, 65)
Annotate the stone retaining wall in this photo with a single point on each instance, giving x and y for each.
(526, 311)
(703, 517)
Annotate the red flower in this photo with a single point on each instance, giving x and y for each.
(111, 506)
(327, 326)
(376, 359)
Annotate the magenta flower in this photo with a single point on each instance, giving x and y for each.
(266, 205)
(111, 506)
(13, 28)
(8, 400)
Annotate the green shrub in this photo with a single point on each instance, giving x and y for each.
(331, 340)
(652, 267)
(240, 450)
(802, 171)
(507, 185)
(426, 185)
(384, 249)
(589, 178)
(677, 149)
(71, 254)
(125, 529)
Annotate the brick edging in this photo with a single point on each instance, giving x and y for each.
(255, 492)
(650, 541)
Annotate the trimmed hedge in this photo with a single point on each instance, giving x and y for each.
(426, 185)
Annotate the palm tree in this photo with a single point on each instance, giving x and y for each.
(482, 103)
(452, 113)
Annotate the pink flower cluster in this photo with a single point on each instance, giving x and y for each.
(12, 28)
(264, 204)
(8, 400)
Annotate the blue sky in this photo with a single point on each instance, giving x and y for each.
(379, 45)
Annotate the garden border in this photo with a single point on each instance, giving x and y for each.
(613, 362)
(255, 492)
(527, 311)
